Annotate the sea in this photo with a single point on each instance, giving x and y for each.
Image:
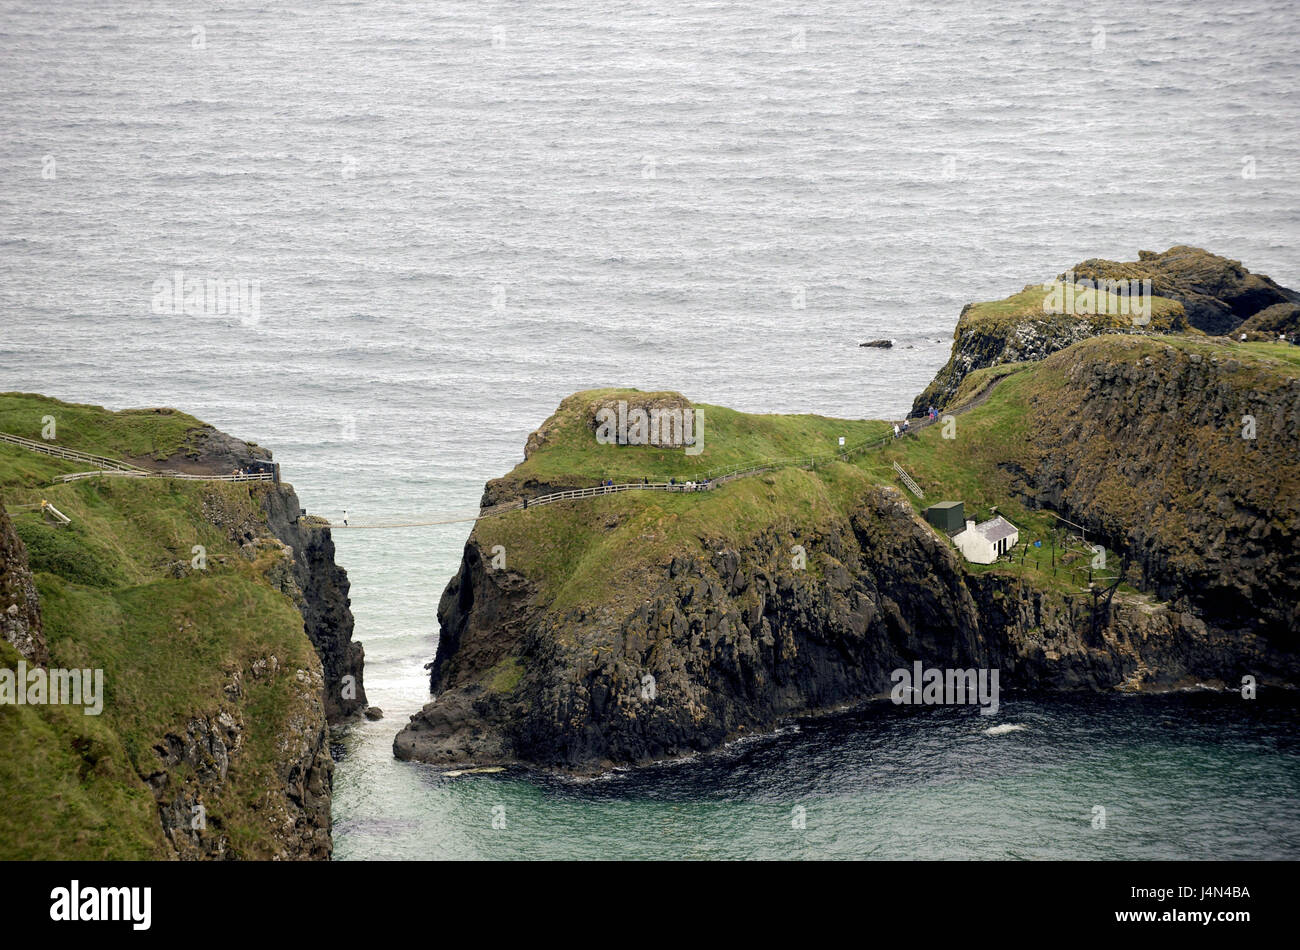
(433, 221)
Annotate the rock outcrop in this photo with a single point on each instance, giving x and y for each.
(1188, 461)
(1213, 294)
(728, 642)
(326, 608)
(194, 764)
(309, 575)
(1281, 319)
(1140, 443)
(207, 451)
(220, 625)
(1218, 294)
(20, 609)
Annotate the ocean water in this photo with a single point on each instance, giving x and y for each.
(456, 214)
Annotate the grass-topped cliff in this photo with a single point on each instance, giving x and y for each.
(801, 588)
(187, 596)
(558, 455)
(1191, 292)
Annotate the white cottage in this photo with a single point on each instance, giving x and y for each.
(984, 543)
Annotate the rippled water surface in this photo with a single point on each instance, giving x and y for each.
(461, 212)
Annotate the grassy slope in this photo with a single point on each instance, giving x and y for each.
(131, 433)
(69, 783)
(731, 440)
(590, 552)
(997, 315)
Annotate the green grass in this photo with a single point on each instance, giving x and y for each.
(130, 433)
(118, 592)
(977, 466)
(731, 440)
(505, 676)
(1028, 304)
(67, 787)
(585, 554)
(970, 468)
(1282, 352)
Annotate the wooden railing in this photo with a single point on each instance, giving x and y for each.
(253, 477)
(72, 455)
(706, 481)
(117, 468)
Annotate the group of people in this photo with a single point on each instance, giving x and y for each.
(704, 485)
(1281, 338)
(931, 413)
(673, 484)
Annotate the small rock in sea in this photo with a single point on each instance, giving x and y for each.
(879, 344)
(1003, 729)
(374, 712)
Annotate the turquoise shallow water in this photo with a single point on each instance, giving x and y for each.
(1191, 776)
(450, 236)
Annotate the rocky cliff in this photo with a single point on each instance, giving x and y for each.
(326, 609)
(1193, 291)
(1217, 294)
(635, 627)
(20, 611)
(220, 623)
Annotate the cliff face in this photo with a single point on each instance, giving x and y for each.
(191, 772)
(326, 609)
(1217, 293)
(1187, 460)
(193, 766)
(726, 642)
(1212, 294)
(700, 628)
(20, 611)
(220, 624)
(1033, 336)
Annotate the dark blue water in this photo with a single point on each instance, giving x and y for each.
(1190, 775)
